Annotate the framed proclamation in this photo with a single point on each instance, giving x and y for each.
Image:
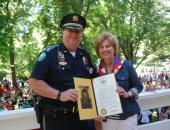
(97, 96)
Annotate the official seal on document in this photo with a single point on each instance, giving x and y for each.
(104, 111)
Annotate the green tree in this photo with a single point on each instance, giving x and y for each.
(28, 27)
(11, 15)
(138, 25)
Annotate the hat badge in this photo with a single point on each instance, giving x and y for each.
(75, 18)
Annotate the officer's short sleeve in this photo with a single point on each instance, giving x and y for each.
(41, 68)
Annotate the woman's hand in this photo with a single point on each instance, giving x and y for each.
(122, 92)
(97, 122)
(98, 125)
(100, 118)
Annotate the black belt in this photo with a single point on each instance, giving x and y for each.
(54, 110)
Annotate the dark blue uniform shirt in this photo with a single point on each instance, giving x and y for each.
(57, 67)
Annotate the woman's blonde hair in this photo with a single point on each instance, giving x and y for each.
(110, 38)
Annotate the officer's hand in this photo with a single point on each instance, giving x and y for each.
(70, 94)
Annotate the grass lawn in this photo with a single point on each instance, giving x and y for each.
(154, 116)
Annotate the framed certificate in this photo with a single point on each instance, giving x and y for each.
(97, 96)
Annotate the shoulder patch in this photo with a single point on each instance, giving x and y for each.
(52, 47)
(42, 56)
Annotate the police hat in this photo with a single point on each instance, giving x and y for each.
(73, 21)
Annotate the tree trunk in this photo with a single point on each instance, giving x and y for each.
(12, 60)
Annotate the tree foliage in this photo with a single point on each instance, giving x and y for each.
(138, 25)
(29, 26)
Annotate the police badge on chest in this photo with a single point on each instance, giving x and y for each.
(61, 58)
(85, 61)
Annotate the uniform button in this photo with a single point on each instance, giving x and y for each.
(122, 78)
(62, 68)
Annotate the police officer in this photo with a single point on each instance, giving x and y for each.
(52, 77)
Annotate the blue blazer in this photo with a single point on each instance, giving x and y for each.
(127, 78)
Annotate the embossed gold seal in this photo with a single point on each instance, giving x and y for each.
(104, 111)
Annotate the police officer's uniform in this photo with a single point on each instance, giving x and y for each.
(57, 67)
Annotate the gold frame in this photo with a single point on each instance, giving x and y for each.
(85, 113)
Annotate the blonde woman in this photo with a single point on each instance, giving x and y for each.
(106, 46)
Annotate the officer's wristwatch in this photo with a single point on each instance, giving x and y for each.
(130, 94)
(58, 96)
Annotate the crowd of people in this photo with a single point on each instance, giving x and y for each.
(154, 80)
(12, 98)
(20, 97)
(15, 97)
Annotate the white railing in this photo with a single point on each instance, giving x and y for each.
(24, 119)
(155, 99)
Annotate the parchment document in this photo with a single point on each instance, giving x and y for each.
(107, 99)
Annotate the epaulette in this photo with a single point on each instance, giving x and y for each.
(82, 49)
(52, 47)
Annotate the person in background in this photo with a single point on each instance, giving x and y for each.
(52, 77)
(13, 91)
(159, 113)
(19, 92)
(129, 85)
(145, 118)
(22, 84)
(19, 102)
(8, 105)
(1, 90)
(167, 85)
(17, 82)
(150, 87)
(2, 106)
(159, 86)
(144, 88)
(166, 115)
(7, 90)
(25, 103)
(26, 94)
